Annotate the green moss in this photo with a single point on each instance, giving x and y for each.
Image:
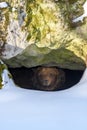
(43, 18)
(4, 22)
(9, 75)
(2, 67)
(63, 58)
(39, 19)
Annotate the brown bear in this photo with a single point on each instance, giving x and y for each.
(48, 78)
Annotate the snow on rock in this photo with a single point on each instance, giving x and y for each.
(22, 109)
(3, 5)
(6, 80)
(6, 77)
(80, 18)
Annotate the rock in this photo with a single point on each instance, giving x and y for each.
(1, 71)
(44, 32)
(5, 76)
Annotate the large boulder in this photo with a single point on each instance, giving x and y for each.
(44, 32)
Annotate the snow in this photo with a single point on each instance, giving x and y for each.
(3, 5)
(37, 110)
(22, 109)
(80, 18)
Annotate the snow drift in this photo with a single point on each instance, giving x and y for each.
(29, 109)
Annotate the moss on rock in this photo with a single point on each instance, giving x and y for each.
(43, 32)
(2, 67)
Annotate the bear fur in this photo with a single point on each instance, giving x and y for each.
(48, 78)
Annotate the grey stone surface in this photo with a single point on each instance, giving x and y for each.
(44, 32)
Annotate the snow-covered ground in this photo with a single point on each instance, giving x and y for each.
(22, 109)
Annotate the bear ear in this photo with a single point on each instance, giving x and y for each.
(39, 68)
(35, 70)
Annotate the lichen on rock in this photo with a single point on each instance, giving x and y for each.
(3, 76)
(4, 21)
(44, 32)
(2, 67)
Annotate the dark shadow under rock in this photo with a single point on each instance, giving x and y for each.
(23, 77)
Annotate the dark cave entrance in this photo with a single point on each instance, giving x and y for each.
(23, 77)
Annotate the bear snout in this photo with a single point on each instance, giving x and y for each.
(46, 82)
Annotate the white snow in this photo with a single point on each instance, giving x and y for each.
(22, 109)
(3, 5)
(80, 18)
